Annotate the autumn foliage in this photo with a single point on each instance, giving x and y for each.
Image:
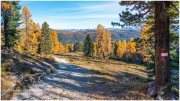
(103, 42)
(61, 48)
(29, 34)
(94, 46)
(146, 43)
(131, 49)
(55, 42)
(121, 48)
(35, 39)
(69, 47)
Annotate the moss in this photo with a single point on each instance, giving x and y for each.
(5, 73)
(6, 66)
(175, 90)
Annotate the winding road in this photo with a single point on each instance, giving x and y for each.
(70, 82)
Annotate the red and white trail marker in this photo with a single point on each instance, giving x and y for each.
(164, 54)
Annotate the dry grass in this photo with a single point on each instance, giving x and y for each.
(111, 68)
(131, 77)
(7, 88)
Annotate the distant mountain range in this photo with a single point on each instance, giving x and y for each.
(75, 35)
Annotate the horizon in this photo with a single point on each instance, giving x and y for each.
(74, 15)
(129, 28)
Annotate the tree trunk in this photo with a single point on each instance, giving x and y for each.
(162, 69)
(6, 36)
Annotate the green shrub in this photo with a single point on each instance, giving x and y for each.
(175, 90)
(174, 65)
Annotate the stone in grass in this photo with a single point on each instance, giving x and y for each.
(150, 91)
(65, 98)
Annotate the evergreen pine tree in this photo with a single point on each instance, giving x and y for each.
(88, 46)
(114, 49)
(45, 40)
(10, 22)
(78, 47)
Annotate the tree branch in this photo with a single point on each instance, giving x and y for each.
(174, 6)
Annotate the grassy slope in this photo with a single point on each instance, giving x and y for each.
(15, 65)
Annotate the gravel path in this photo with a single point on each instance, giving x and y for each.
(70, 82)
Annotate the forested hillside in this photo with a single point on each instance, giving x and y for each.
(73, 36)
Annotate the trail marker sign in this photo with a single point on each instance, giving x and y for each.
(164, 54)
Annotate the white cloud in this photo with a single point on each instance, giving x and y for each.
(84, 9)
(102, 10)
(87, 16)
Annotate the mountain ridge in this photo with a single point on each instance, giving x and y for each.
(75, 35)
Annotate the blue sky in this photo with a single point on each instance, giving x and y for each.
(74, 14)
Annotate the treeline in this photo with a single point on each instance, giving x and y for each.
(104, 47)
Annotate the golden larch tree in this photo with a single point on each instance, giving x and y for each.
(61, 48)
(94, 48)
(131, 49)
(36, 32)
(103, 42)
(69, 47)
(121, 48)
(55, 42)
(26, 30)
(146, 44)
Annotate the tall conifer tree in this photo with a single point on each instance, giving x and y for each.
(10, 22)
(45, 40)
(88, 51)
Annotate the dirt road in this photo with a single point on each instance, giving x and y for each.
(70, 82)
(73, 82)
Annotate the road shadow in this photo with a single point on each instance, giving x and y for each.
(93, 83)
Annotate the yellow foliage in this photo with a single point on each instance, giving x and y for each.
(20, 45)
(94, 48)
(6, 5)
(103, 42)
(131, 48)
(127, 49)
(27, 30)
(61, 48)
(55, 42)
(131, 45)
(145, 44)
(26, 15)
(66, 49)
(121, 48)
(30, 33)
(69, 47)
(32, 39)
